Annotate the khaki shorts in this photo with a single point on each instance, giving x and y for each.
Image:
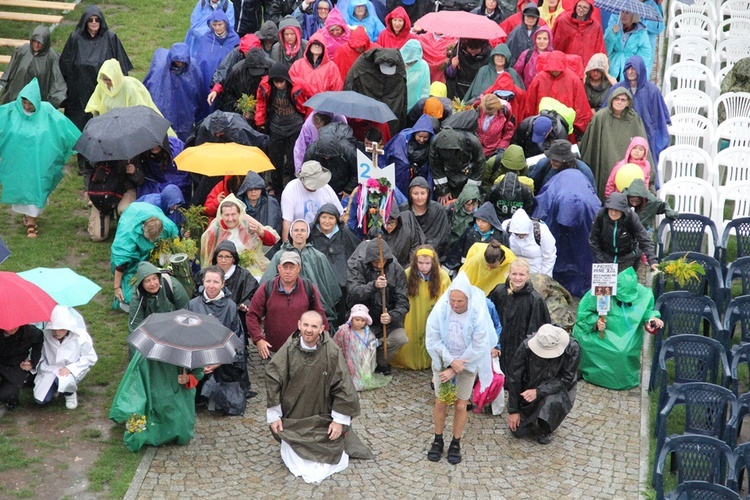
(464, 384)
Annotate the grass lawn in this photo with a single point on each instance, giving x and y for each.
(31, 438)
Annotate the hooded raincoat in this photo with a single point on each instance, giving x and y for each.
(435, 50)
(478, 332)
(309, 20)
(202, 13)
(170, 196)
(620, 241)
(267, 211)
(487, 75)
(614, 361)
(283, 52)
(566, 88)
(569, 211)
(370, 22)
(457, 254)
(211, 49)
(459, 79)
(607, 138)
(621, 45)
(33, 149)
(510, 194)
(434, 222)
(177, 92)
(150, 388)
(171, 296)
(584, 38)
(244, 78)
(597, 94)
(74, 352)
(458, 217)
(520, 37)
(388, 38)
(314, 78)
(347, 53)
(25, 64)
(337, 246)
(334, 43)
(649, 206)
(245, 238)
(405, 237)
(650, 106)
(126, 91)
(366, 78)
(521, 313)
(480, 274)
(541, 255)
(417, 73)
(237, 279)
(527, 64)
(410, 158)
(648, 171)
(81, 59)
(130, 246)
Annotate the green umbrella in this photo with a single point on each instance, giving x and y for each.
(63, 285)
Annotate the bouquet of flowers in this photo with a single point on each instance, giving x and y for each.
(136, 423)
(375, 202)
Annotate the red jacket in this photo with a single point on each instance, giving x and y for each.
(566, 87)
(264, 94)
(518, 105)
(280, 313)
(358, 43)
(315, 80)
(387, 39)
(584, 38)
(498, 134)
(211, 206)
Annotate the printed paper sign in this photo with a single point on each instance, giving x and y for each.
(604, 279)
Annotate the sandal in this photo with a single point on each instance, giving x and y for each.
(25, 221)
(436, 451)
(31, 231)
(454, 453)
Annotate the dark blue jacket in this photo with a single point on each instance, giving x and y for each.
(397, 152)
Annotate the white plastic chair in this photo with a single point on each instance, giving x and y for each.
(730, 51)
(690, 101)
(689, 195)
(691, 48)
(691, 129)
(734, 105)
(739, 193)
(734, 8)
(704, 7)
(677, 162)
(732, 165)
(734, 132)
(734, 27)
(692, 25)
(689, 75)
(721, 74)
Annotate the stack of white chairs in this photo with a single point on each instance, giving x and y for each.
(690, 101)
(690, 75)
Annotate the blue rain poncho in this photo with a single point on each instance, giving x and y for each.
(33, 148)
(200, 15)
(170, 197)
(177, 92)
(370, 23)
(210, 49)
(397, 152)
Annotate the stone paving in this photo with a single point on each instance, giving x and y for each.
(594, 454)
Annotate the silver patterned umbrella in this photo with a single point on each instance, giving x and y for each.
(186, 339)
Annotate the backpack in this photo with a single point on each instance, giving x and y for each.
(308, 290)
(105, 187)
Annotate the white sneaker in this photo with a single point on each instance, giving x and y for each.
(71, 401)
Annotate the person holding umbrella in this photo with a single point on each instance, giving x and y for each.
(626, 38)
(35, 141)
(115, 90)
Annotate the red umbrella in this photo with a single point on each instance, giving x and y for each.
(460, 24)
(22, 302)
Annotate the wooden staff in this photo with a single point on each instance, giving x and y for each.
(382, 294)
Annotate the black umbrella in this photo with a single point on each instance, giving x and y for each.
(186, 339)
(352, 105)
(122, 134)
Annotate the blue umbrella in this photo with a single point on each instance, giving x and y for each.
(65, 286)
(646, 12)
(4, 252)
(352, 105)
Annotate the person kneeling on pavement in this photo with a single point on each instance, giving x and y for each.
(541, 382)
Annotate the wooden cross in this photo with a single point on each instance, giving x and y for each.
(376, 150)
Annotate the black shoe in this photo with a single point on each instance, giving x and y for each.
(436, 451)
(11, 406)
(544, 438)
(454, 453)
(384, 369)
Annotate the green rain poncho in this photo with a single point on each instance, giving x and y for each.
(33, 148)
(417, 73)
(130, 246)
(150, 388)
(614, 362)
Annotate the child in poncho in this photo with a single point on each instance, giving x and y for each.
(359, 345)
(637, 154)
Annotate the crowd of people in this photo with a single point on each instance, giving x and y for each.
(519, 162)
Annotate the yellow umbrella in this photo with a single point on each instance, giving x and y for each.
(214, 159)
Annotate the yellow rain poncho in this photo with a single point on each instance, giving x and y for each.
(413, 356)
(126, 91)
(479, 273)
